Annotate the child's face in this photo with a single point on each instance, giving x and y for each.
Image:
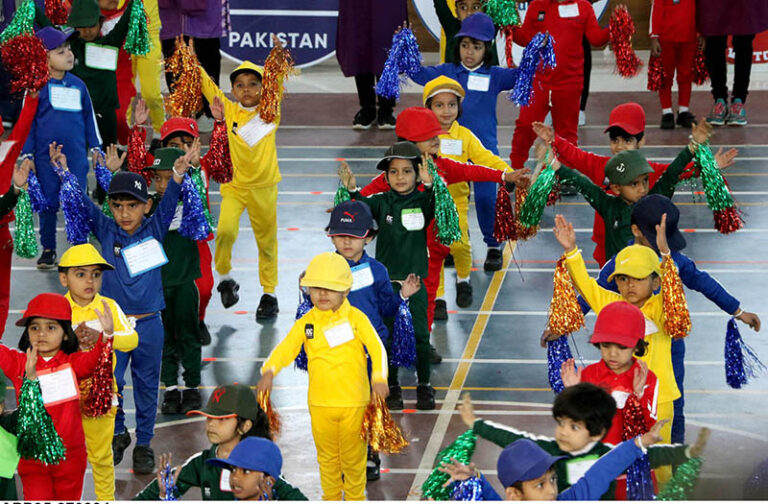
(446, 108)
(161, 179)
(83, 282)
(46, 334)
(632, 192)
(636, 291)
(401, 175)
(571, 435)
(89, 33)
(129, 214)
(430, 146)
(471, 52)
(221, 430)
(180, 141)
(617, 357)
(620, 144)
(465, 8)
(543, 488)
(247, 89)
(61, 59)
(326, 299)
(247, 484)
(349, 247)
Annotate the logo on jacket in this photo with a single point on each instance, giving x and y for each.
(389, 219)
(309, 331)
(541, 16)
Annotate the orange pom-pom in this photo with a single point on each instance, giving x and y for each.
(523, 232)
(186, 96)
(677, 319)
(274, 418)
(379, 429)
(278, 65)
(565, 315)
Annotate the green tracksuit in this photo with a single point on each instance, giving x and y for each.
(8, 422)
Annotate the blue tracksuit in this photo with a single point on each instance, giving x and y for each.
(694, 279)
(372, 293)
(479, 116)
(139, 295)
(70, 123)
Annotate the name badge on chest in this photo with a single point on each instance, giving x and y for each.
(568, 11)
(362, 276)
(100, 57)
(412, 219)
(478, 82)
(224, 481)
(143, 256)
(58, 385)
(338, 334)
(451, 147)
(578, 467)
(64, 98)
(254, 130)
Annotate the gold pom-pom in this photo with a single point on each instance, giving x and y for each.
(565, 315)
(278, 65)
(677, 319)
(186, 96)
(274, 418)
(379, 428)
(523, 232)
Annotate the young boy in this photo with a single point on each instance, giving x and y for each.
(80, 272)
(64, 115)
(335, 336)
(451, 24)
(254, 465)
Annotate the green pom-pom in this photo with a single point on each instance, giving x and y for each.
(681, 486)
(342, 195)
(137, 40)
(718, 195)
(106, 210)
(503, 12)
(197, 179)
(538, 194)
(446, 215)
(24, 239)
(23, 22)
(38, 438)
(461, 450)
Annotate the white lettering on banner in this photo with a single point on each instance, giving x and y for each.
(293, 40)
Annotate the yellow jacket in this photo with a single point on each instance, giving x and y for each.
(338, 374)
(659, 355)
(253, 167)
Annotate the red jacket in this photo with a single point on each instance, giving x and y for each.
(620, 387)
(673, 20)
(18, 136)
(568, 22)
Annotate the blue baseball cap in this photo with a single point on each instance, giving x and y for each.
(254, 454)
(646, 214)
(129, 183)
(52, 37)
(478, 26)
(523, 460)
(351, 218)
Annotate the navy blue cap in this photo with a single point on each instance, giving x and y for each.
(129, 183)
(647, 214)
(351, 218)
(523, 460)
(478, 26)
(53, 37)
(255, 454)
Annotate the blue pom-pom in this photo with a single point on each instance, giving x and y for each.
(468, 490)
(403, 338)
(103, 175)
(639, 482)
(539, 54)
(403, 61)
(169, 485)
(741, 362)
(193, 222)
(301, 360)
(37, 199)
(77, 223)
(558, 351)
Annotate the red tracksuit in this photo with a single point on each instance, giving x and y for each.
(559, 90)
(126, 89)
(63, 481)
(673, 22)
(16, 140)
(452, 172)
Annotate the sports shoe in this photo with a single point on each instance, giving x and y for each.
(205, 335)
(373, 466)
(385, 119)
(434, 355)
(737, 115)
(719, 113)
(47, 260)
(441, 310)
(143, 460)
(395, 398)
(493, 260)
(228, 289)
(119, 443)
(171, 402)
(364, 118)
(267, 308)
(190, 400)
(668, 121)
(425, 397)
(582, 118)
(463, 294)
(686, 119)
(449, 262)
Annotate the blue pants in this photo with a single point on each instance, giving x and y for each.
(50, 183)
(485, 206)
(678, 366)
(145, 376)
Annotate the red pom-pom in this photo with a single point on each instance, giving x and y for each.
(504, 226)
(217, 162)
(24, 57)
(656, 80)
(507, 31)
(554, 194)
(634, 420)
(700, 72)
(621, 29)
(99, 399)
(137, 155)
(728, 220)
(56, 11)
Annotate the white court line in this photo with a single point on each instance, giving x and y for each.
(501, 146)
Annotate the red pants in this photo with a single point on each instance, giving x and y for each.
(677, 56)
(6, 254)
(565, 119)
(63, 481)
(126, 90)
(437, 254)
(205, 282)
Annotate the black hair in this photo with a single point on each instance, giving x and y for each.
(259, 427)
(428, 105)
(69, 343)
(640, 349)
(615, 132)
(586, 403)
(487, 57)
(175, 134)
(123, 197)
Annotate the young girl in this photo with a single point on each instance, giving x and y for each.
(618, 334)
(48, 334)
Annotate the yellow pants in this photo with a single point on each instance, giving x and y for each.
(460, 250)
(262, 212)
(340, 451)
(98, 443)
(149, 69)
(665, 410)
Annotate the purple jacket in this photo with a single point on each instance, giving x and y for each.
(194, 18)
(739, 17)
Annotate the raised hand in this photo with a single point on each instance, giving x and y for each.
(346, 176)
(661, 235)
(725, 159)
(21, 172)
(113, 160)
(653, 435)
(410, 285)
(701, 442)
(58, 158)
(545, 132)
(569, 374)
(140, 112)
(163, 460)
(30, 368)
(701, 131)
(641, 377)
(564, 233)
(217, 108)
(105, 318)
(193, 152)
(467, 411)
(457, 471)
(424, 174)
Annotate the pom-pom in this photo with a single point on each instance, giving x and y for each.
(137, 41)
(23, 23)
(193, 222)
(728, 220)
(468, 490)
(681, 485)
(24, 57)
(461, 450)
(503, 12)
(538, 195)
(342, 195)
(278, 65)
(403, 60)
(38, 439)
(76, 222)
(504, 225)
(99, 399)
(36, 197)
(379, 429)
(24, 239)
(656, 77)
(621, 29)
(274, 418)
(403, 338)
(217, 161)
(565, 315)
(196, 174)
(558, 352)
(56, 11)
(639, 480)
(136, 157)
(301, 361)
(677, 319)
(446, 216)
(719, 198)
(741, 361)
(523, 232)
(102, 173)
(186, 96)
(538, 55)
(508, 39)
(700, 71)
(169, 485)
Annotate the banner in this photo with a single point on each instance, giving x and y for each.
(759, 49)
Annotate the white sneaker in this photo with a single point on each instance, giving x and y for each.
(582, 118)
(205, 124)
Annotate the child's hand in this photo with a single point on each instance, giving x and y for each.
(217, 108)
(424, 174)
(410, 285)
(641, 376)
(725, 159)
(182, 164)
(194, 152)
(58, 158)
(751, 319)
(86, 337)
(346, 176)
(31, 366)
(105, 318)
(655, 47)
(545, 132)
(380, 389)
(520, 177)
(457, 471)
(547, 336)
(140, 112)
(265, 383)
(21, 172)
(467, 411)
(701, 131)
(569, 374)
(163, 460)
(565, 234)
(701, 442)
(653, 435)
(661, 235)
(113, 160)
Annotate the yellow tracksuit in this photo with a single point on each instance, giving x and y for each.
(253, 187)
(472, 150)
(100, 430)
(339, 391)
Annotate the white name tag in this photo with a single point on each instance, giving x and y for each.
(254, 130)
(338, 335)
(64, 98)
(93, 324)
(650, 327)
(143, 256)
(362, 276)
(224, 481)
(58, 385)
(576, 468)
(568, 11)
(450, 146)
(4, 148)
(100, 57)
(620, 398)
(478, 82)
(412, 219)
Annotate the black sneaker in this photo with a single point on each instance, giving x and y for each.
(143, 460)
(493, 260)
(441, 310)
(364, 118)
(686, 119)
(171, 402)
(434, 355)
(425, 397)
(385, 119)
(463, 294)
(668, 121)
(395, 398)
(373, 467)
(205, 336)
(267, 308)
(47, 260)
(449, 261)
(190, 400)
(119, 443)
(228, 289)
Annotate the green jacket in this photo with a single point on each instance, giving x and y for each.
(451, 26)
(8, 422)
(183, 255)
(7, 202)
(616, 213)
(570, 469)
(197, 473)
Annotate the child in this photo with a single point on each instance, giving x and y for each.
(64, 115)
(674, 38)
(80, 272)
(48, 334)
(232, 415)
(254, 466)
(451, 25)
(335, 336)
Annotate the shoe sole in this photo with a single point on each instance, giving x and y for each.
(362, 127)
(737, 123)
(266, 317)
(46, 267)
(386, 126)
(233, 303)
(140, 470)
(716, 122)
(491, 269)
(464, 305)
(667, 127)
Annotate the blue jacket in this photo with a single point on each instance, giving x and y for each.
(596, 480)
(143, 293)
(374, 296)
(479, 107)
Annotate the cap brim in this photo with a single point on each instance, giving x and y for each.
(634, 272)
(383, 164)
(179, 130)
(427, 136)
(632, 130)
(210, 415)
(620, 339)
(347, 232)
(538, 469)
(444, 90)
(334, 286)
(234, 74)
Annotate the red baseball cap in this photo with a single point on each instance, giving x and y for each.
(628, 116)
(417, 124)
(47, 305)
(621, 323)
(179, 125)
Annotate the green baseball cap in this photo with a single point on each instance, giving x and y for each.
(626, 166)
(165, 157)
(231, 400)
(84, 13)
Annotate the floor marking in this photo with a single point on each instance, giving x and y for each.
(729, 430)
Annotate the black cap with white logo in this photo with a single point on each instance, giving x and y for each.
(129, 183)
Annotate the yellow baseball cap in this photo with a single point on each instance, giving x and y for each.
(442, 84)
(636, 261)
(83, 255)
(328, 270)
(246, 66)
